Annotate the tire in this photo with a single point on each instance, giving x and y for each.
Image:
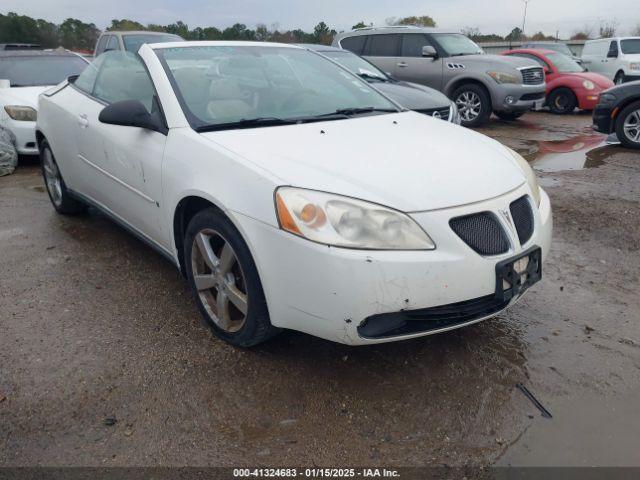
(474, 104)
(509, 116)
(562, 101)
(59, 195)
(619, 78)
(628, 126)
(216, 255)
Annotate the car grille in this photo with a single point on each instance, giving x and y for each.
(532, 96)
(532, 76)
(442, 113)
(408, 322)
(522, 218)
(482, 232)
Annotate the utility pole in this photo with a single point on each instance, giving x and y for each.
(524, 19)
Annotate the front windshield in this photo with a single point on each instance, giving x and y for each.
(455, 44)
(132, 43)
(557, 47)
(630, 46)
(564, 64)
(40, 70)
(357, 65)
(222, 85)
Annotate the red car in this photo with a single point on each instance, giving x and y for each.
(568, 84)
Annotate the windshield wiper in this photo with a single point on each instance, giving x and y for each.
(246, 123)
(368, 76)
(361, 110)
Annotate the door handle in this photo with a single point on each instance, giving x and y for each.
(402, 64)
(83, 121)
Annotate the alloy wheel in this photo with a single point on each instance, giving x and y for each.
(469, 105)
(52, 177)
(219, 280)
(631, 126)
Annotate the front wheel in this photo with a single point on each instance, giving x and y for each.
(509, 116)
(562, 101)
(619, 79)
(474, 104)
(60, 197)
(225, 280)
(628, 126)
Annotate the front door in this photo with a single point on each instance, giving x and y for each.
(126, 162)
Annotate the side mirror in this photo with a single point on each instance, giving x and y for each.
(5, 83)
(429, 52)
(129, 113)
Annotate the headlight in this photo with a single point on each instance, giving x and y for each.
(607, 98)
(454, 114)
(588, 84)
(21, 114)
(347, 222)
(529, 174)
(505, 77)
(634, 66)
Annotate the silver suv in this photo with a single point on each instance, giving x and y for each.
(450, 62)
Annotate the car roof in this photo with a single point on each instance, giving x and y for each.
(321, 48)
(394, 29)
(37, 53)
(218, 43)
(542, 51)
(137, 32)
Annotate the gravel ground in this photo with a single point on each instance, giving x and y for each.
(105, 361)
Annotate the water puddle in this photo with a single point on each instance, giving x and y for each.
(576, 153)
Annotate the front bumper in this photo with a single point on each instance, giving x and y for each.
(602, 121)
(329, 292)
(25, 133)
(524, 97)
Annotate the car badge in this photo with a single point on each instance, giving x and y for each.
(508, 219)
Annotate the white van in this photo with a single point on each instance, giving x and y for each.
(616, 58)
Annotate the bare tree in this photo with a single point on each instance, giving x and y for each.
(636, 31)
(608, 28)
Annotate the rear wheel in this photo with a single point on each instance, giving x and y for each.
(619, 79)
(60, 197)
(562, 100)
(509, 116)
(225, 281)
(474, 104)
(628, 126)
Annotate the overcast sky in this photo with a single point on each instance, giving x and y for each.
(491, 16)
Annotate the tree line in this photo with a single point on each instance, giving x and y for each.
(78, 35)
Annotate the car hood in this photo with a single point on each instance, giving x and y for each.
(493, 61)
(23, 96)
(413, 96)
(600, 80)
(407, 161)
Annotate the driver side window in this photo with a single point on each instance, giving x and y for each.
(412, 44)
(122, 76)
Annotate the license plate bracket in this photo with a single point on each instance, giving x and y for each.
(516, 274)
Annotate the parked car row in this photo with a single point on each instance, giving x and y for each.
(448, 61)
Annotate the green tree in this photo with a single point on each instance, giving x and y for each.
(359, 25)
(421, 21)
(74, 33)
(125, 25)
(515, 35)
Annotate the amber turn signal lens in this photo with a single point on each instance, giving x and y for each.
(286, 220)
